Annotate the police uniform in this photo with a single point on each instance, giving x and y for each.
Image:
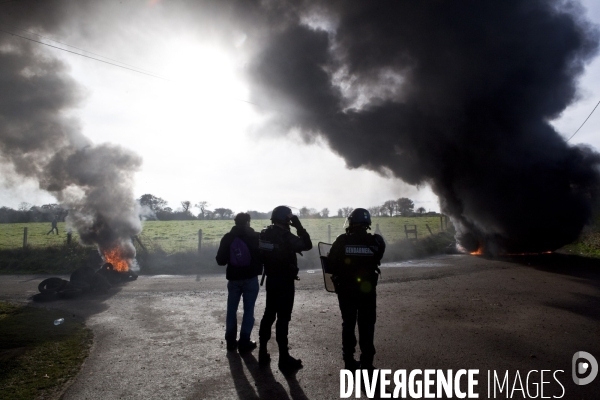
(355, 258)
(279, 247)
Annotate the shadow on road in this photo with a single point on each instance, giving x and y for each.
(85, 305)
(265, 385)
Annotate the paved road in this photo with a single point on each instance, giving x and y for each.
(162, 336)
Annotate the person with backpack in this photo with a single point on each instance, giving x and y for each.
(279, 246)
(239, 251)
(354, 259)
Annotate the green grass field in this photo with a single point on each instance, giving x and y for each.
(181, 236)
(11, 235)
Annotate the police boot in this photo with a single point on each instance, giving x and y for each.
(350, 363)
(287, 362)
(263, 355)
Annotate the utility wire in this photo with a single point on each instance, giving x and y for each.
(103, 61)
(80, 49)
(588, 117)
(83, 55)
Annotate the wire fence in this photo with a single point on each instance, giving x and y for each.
(185, 236)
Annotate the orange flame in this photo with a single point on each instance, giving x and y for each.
(115, 257)
(478, 252)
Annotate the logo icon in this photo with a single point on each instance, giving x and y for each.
(584, 364)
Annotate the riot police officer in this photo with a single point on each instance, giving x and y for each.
(354, 259)
(279, 246)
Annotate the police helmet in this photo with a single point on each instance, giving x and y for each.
(359, 216)
(281, 214)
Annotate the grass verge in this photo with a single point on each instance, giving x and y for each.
(61, 259)
(38, 358)
(587, 245)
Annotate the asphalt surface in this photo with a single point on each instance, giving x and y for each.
(162, 336)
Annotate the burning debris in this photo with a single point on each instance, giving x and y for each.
(39, 140)
(83, 280)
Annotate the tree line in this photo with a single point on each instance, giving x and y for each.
(157, 208)
(29, 213)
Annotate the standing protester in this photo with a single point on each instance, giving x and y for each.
(239, 250)
(279, 247)
(354, 259)
(54, 226)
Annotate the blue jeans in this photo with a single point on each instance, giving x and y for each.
(248, 288)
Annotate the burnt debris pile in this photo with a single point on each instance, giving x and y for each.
(84, 280)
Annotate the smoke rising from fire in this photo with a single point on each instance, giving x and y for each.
(40, 140)
(457, 95)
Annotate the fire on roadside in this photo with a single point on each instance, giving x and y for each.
(478, 252)
(116, 258)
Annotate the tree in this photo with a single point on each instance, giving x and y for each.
(49, 211)
(223, 213)
(421, 210)
(405, 206)
(377, 211)
(186, 206)
(165, 214)
(325, 213)
(24, 206)
(152, 202)
(313, 213)
(345, 211)
(259, 215)
(203, 207)
(390, 206)
(304, 212)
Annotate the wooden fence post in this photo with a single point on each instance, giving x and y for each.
(429, 229)
(69, 236)
(377, 231)
(25, 237)
(199, 240)
(328, 233)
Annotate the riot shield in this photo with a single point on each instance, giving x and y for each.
(323, 253)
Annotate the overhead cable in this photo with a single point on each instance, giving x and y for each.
(588, 117)
(80, 49)
(83, 55)
(120, 65)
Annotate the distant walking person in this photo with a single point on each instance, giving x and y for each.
(239, 251)
(279, 247)
(54, 226)
(355, 258)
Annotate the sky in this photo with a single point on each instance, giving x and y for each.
(197, 135)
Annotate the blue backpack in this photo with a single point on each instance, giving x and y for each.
(239, 254)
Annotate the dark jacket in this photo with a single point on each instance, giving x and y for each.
(279, 247)
(250, 237)
(355, 257)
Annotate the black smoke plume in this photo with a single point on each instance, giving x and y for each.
(38, 138)
(458, 95)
